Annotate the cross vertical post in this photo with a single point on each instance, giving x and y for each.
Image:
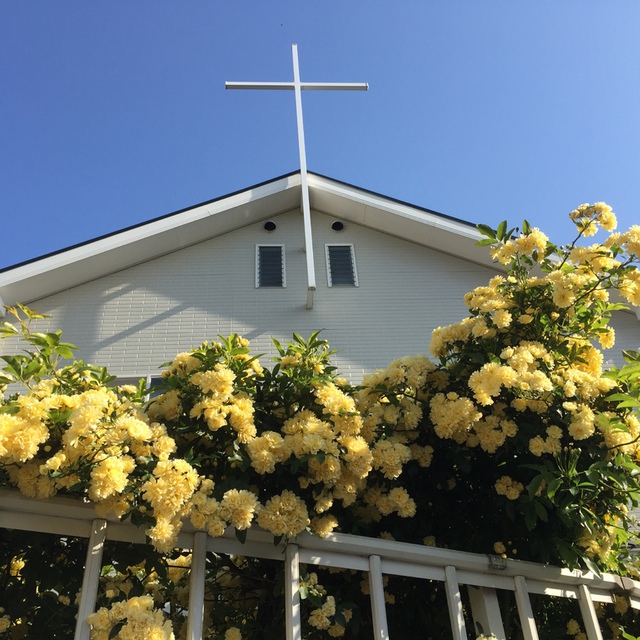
(297, 86)
(304, 182)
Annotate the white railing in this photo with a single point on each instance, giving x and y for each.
(481, 574)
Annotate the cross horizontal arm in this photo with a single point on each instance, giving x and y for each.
(290, 86)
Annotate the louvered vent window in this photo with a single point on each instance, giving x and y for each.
(341, 265)
(270, 265)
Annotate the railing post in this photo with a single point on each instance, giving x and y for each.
(91, 578)
(589, 617)
(486, 610)
(293, 621)
(196, 586)
(454, 602)
(376, 589)
(527, 621)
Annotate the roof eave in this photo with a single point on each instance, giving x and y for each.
(50, 274)
(83, 263)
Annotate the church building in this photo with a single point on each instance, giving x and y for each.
(384, 274)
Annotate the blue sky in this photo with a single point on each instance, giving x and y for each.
(114, 112)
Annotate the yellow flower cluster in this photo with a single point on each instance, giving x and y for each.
(487, 382)
(102, 429)
(232, 633)
(389, 457)
(509, 487)
(630, 288)
(169, 492)
(109, 477)
(166, 406)
(453, 416)
(397, 501)
(532, 244)
(183, 364)
(459, 419)
(551, 444)
(393, 398)
(583, 420)
(284, 515)
(21, 435)
(488, 298)
(337, 457)
(573, 629)
(588, 217)
(324, 525)
(266, 450)
(140, 620)
(205, 510)
(583, 385)
(380, 502)
(491, 432)
(319, 618)
(238, 507)
(623, 436)
(338, 442)
(450, 339)
(220, 404)
(599, 544)
(528, 374)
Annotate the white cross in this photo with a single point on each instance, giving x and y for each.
(298, 87)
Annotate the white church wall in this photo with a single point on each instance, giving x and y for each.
(134, 320)
(627, 327)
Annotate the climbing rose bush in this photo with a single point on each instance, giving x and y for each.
(512, 440)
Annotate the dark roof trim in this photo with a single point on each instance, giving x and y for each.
(396, 200)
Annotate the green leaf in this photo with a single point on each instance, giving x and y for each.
(552, 487)
(534, 485)
(241, 534)
(278, 346)
(530, 517)
(541, 512)
(568, 554)
(315, 599)
(486, 230)
(618, 396)
(629, 403)
(65, 350)
(592, 566)
(30, 313)
(7, 329)
(630, 355)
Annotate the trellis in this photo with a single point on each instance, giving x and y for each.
(481, 575)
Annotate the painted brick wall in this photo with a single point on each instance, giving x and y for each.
(134, 320)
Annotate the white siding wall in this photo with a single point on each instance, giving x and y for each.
(627, 328)
(134, 320)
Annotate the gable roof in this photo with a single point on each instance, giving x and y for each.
(110, 253)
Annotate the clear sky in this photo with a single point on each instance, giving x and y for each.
(114, 112)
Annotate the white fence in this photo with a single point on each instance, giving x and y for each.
(482, 575)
